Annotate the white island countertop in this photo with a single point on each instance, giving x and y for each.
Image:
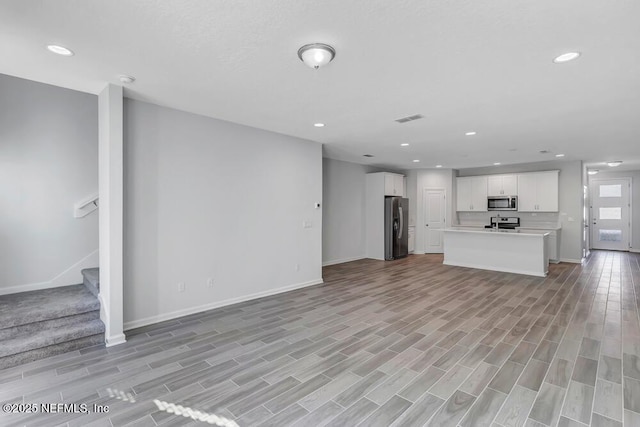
(527, 232)
(509, 251)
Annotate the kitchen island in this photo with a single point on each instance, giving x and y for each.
(509, 251)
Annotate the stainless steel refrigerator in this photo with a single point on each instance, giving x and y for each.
(396, 227)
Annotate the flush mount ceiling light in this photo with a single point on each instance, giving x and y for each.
(438, 166)
(416, 161)
(559, 155)
(60, 50)
(319, 125)
(566, 57)
(614, 164)
(404, 145)
(592, 171)
(470, 133)
(315, 55)
(497, 164)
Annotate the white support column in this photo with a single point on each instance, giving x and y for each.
(111, 188)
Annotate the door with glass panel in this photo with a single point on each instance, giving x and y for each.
(610, 213)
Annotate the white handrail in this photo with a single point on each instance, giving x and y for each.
(86, 206)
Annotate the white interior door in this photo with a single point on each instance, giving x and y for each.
(434, 219)
(610, 214)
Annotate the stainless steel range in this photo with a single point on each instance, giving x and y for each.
(504, 222)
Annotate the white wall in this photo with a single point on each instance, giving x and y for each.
(205, 199)
(343, 214)
(571, 203)
(635, 201)
(418, 180)
(48, 162)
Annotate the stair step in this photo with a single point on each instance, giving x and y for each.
(31, 328)
(91, 279)
(43, 323)
(52, 350)
(47, 337)
(36, 306)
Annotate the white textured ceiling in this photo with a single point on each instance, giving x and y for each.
(465, 65)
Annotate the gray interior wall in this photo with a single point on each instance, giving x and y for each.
(571, 203)
(48, 162)
(343, 214)
(208, 199)
(635, 201)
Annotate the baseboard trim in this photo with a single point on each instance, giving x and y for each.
(570, 260)
(342, 261)
(198, 309)
(25, 288)
(115, 340)
(104, 313)
(71, 276)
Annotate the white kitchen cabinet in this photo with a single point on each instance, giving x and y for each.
(538, 192)
(393, 184)
(471, 194)
(502, 185)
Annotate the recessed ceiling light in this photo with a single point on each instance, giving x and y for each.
(368, 155)
(470, 133)
(559, 155)
(592, 171)
(319, 125)
(404, 145)
(496, 164)
(566, 57)
(438, 166)
(416, 161)
(126, 79)
(614, 164)
(60, 50)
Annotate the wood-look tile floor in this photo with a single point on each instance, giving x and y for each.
(403, 343)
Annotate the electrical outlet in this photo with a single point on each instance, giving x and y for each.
(181, 287)
(210, 282)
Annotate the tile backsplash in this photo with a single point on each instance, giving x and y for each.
(527, 219)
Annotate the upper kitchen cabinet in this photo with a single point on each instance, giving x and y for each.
(502, 185)
(393, 184)
(538, 192)
(471, 194)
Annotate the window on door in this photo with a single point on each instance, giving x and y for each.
(610, 213)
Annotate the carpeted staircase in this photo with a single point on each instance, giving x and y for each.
(39, 324)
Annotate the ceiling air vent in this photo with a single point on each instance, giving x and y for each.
(367, 155)
(410, 118)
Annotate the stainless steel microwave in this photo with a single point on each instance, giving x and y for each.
(502, 203)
